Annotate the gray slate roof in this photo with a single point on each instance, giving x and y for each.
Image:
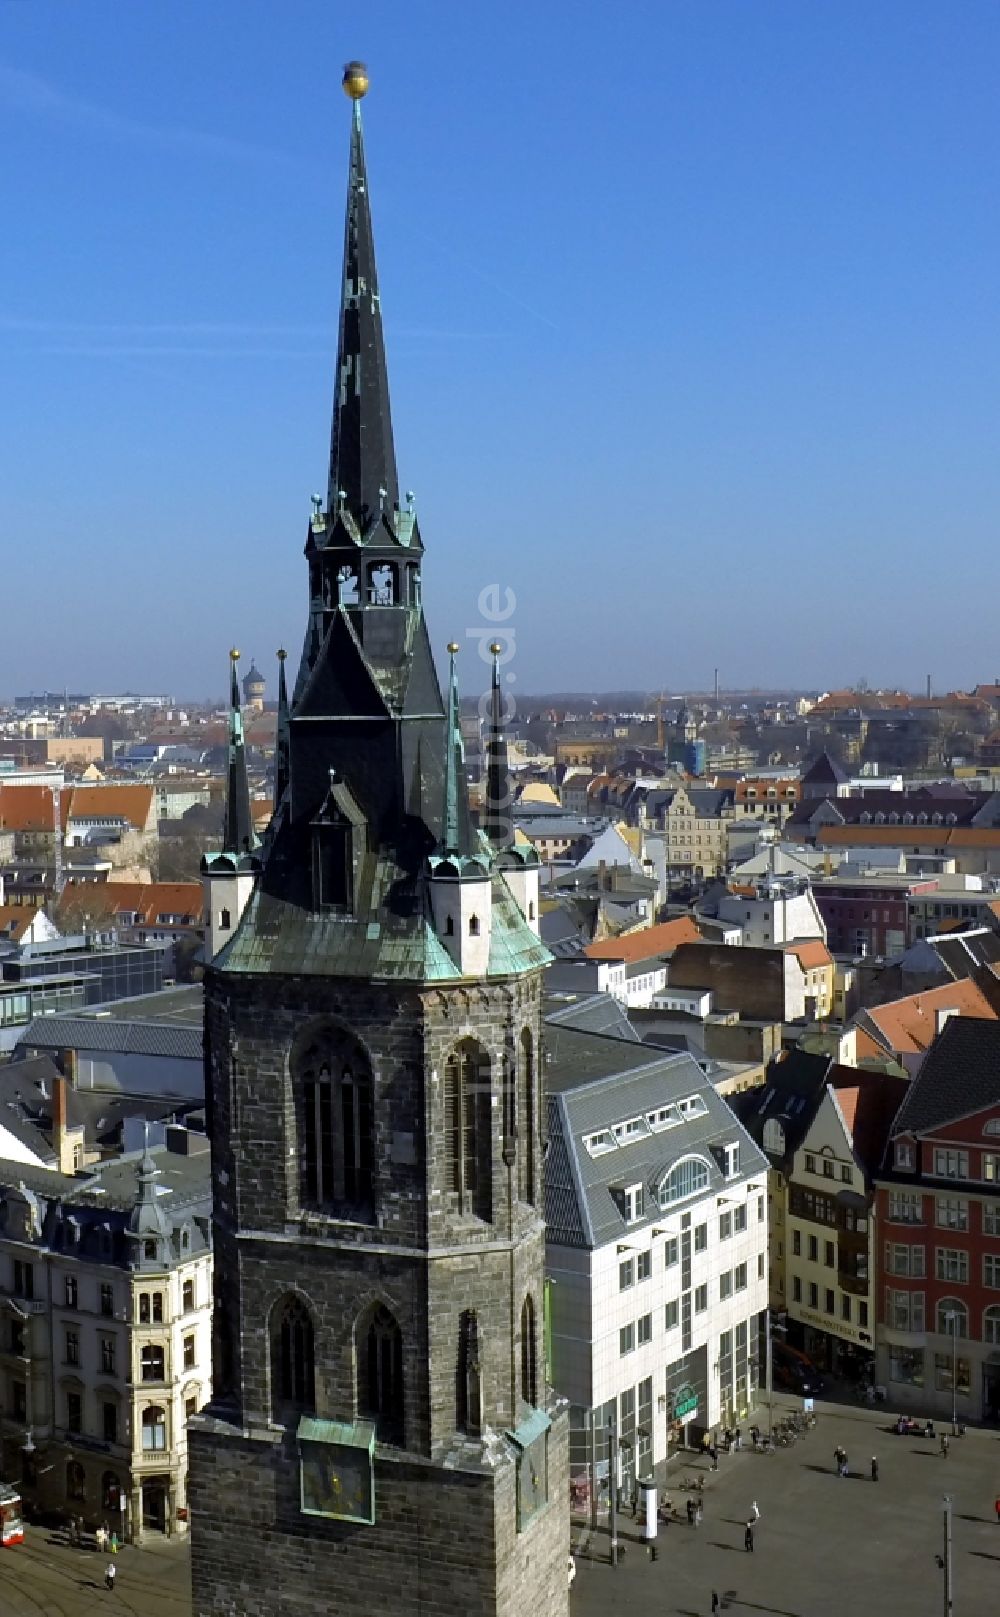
(112, 1036)
(959, 1075)
(595, 1081)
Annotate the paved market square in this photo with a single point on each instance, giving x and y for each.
(823, 1547)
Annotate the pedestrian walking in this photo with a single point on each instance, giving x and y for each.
(755, 1511)
(109, 1575)
(944, 1445)
(713, 1451)
(847, 1470)
(838, 1460)
(690, 1511)
(101, 1539)
(755, 1435)
(874, 1467)
(715, 1602)
(996, 1507)
(114, 1542)
(748, 1538)
(739, 1440)
(698, 1514)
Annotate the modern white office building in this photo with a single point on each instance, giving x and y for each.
(656, 1210)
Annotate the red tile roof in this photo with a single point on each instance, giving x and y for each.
(649, 943)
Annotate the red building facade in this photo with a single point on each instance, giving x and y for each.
(938, 1212)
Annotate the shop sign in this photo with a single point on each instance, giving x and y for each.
(833, 1327)
(685, 1402)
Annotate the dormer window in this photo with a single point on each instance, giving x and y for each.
(903, 1154)
(731, 1154)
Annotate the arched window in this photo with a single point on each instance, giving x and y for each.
(774, 1137)
(76, 1481)
(154, 1429)
(379, 1351)
(469, 1383)
(529, 1383)
(110, 1491)
(334, 1084)
(991, 1325)
(959, 1323)
(292, 1363)
(685, 1179)
(469, 1125)
(526, 1108)
(992, 1125)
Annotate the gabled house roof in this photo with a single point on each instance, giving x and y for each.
(909, 1025)
(960, 1076)
(649, 943)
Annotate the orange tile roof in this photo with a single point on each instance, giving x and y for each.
(909, 1026)
(811, 952)
(649, 942)
(15, 920)
(148, 900)
(131, 803)
(29, 808)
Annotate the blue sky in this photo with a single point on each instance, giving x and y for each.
(691, 309)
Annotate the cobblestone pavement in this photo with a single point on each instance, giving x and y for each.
(46, 1577)
(824, 1546)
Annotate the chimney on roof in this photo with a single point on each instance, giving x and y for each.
(60, 1134)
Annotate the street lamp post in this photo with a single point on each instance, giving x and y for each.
(952, 1318)
(946, 1564)
(613, 1487)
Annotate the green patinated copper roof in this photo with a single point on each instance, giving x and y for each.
(389, 938)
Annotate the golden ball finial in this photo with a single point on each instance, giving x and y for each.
(496, 648)
(234, 655)
(453, 648)
(282, 654)
(355, 80)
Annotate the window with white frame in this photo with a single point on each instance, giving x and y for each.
(686, 1178)
(644, 1265)
(903, 1154)
(725, 1285)
(739, 1218)
(952, 1317)
(732, 1159)
(901, 1259)
(644, 1329)
(904, 1310)
(951, 1213)
(725, 1226)
(905, 1207)
(991, 1218)
(670, 1250)
(635, 1203)
(626, 1339)
(740, 1277)
(952, 1263)
(949, 1164)
(671, 1315)
(991, 1324)
(991, 1166)
(700, 1299)
(626, 1274)
(991, 1270)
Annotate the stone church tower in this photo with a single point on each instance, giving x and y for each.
(381, 1435)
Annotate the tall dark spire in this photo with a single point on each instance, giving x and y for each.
(496, 820)
(281, 743)
(362, 457)
(453, 761)
(239, 832)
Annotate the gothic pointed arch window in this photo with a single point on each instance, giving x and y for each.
(293, 1376)
(333, 1083)
(469, 1127)
(469, 1388)
(529, 1356)
(379, 1361)
(527, 1107)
